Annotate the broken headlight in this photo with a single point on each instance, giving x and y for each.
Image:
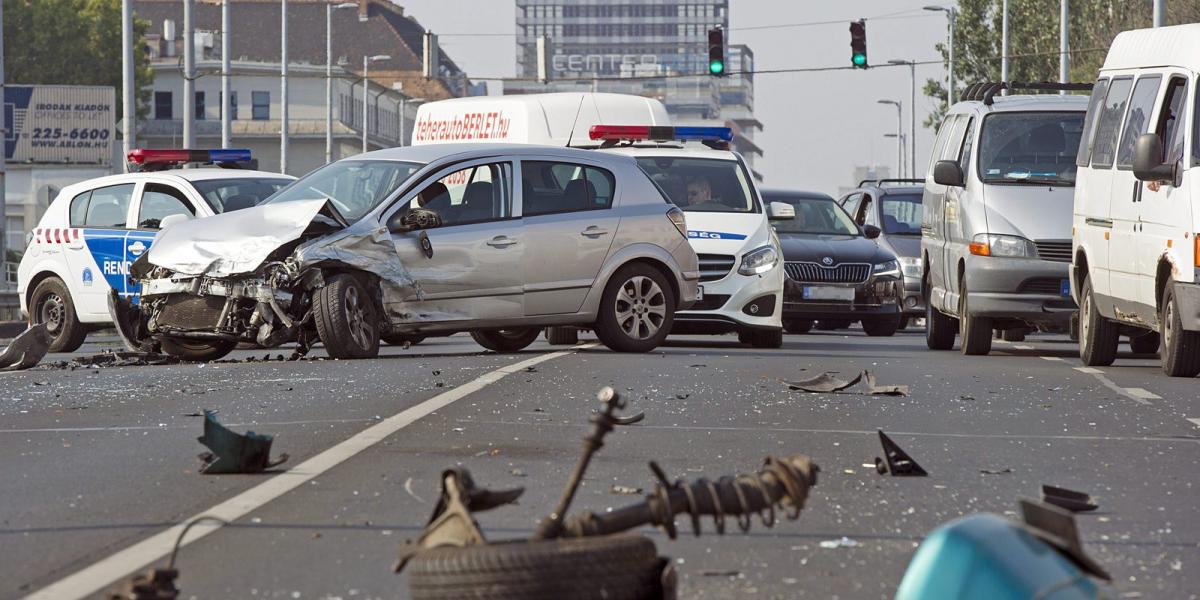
(889, 268)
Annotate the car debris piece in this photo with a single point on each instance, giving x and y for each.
(844, 542)
(26, 350)
(1068, 499)
(823, 383)
(1004, 471)
(875, 389)
(899, 463)
(625, 490)
(158, 584)
(234, 452)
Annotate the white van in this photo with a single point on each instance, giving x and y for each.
(741, 264)
(1135, 251)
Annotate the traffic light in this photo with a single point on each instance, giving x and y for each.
(716, 52)
(858, 44)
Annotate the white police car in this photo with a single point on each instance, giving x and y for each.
(93, 230)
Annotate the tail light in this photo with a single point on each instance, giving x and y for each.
(1196, 250)
(676, 216)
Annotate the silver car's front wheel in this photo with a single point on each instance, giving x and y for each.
(637, 309)
(640, 307)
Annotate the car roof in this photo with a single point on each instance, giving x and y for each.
(798, 194)
(428, 153)
(1023, 102)
(1176, 46)
(180, 175)
(671, 150)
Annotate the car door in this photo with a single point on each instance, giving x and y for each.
(933, 239)
(104, 224)
(472, 270)
(569, 222)
(1164, 211)
(155, 201)
(1123, 190)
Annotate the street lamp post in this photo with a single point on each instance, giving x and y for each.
(367, 60)
(189, 76)
(226, 125)
(952, 15)
(912, 114)
(1004, 44)
(899, 134)
(900, 139)
(404, 100)
(329, 8)
(283, 87)
(128, 127)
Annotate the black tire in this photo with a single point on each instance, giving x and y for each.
(399, 339)
(976, 332)
(1098, 337)
(1146, 343)
(1180, 348)
(940, 329)
(562, 336)
(904, 321)
(798, 325)
(762, 338)
(505, 340)
(626, 326)
(1012, 335)
(51, 304)
(347, 321)
(590, 568)
(881, 327)
(197, 350)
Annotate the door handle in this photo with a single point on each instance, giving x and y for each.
(593, 232)
(1137, 191)
(501, 241)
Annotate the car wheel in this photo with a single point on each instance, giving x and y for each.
(798, 325)
(881, 327)
(637, 309)
(1098, 337)
(1180, 348)
(399, 339)
(1012, 335)
(904, 321)
(505, 340)
(976, 332)
(347, 321)
(562, 336)
(197, 350)
(762, 338)
(940, 329)
(51, 305)
(1146, 343)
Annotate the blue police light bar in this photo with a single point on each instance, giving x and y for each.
(229, 155)
(704, 134)
(633, 133)
(152, 157)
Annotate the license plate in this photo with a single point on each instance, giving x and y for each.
(1065, 289)
(699, 293)
(828, 293)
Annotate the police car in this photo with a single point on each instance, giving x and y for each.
(95, 229)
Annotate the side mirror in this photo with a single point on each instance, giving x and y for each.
(780, 211)
(170, 220)
(413, 220)
(947, 172)
(1147, 160)
(871, 231)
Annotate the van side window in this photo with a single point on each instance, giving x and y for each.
(1104, 148)
(851, 203)
(867, 217)
(79, 205)
(109, 206)
(940, 142)
(1084, 156)
(968, 144)
(1172, 120)
(955, 141)
(1137, 122)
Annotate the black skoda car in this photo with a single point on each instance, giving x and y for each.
(836, 271)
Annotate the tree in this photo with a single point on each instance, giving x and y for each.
(1033, 40)
(73, 42)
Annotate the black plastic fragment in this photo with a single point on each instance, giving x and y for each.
(234, 452)
(899, 463)
(1068, 499)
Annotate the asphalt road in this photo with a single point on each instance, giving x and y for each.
(98, 461)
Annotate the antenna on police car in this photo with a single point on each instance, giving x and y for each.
(575, 121)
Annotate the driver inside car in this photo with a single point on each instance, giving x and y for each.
(700, 196)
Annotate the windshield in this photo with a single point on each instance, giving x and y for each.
(901, 214)
(1030, 147)
(354, 187)
(227, 195)
(701, 184)
(818, 217)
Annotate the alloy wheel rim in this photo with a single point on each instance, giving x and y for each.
(51, 313)
(360, 330)
(640, 307)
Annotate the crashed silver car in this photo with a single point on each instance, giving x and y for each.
(498, 240)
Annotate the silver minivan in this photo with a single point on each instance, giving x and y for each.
(496, 239)
(996, 219)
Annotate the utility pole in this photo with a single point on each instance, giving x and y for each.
(1064, 59)
(283, 87)
(329, 8)
(226, 99)
(3, 161)
(367, 60)
(951, 16)
(1160, 13)
(899, 134)
(912, 113)
(189, 76)
(1004, 46)
(128, 127)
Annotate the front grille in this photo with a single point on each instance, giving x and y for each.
(714, 266)
(711, 302)
(1041, 285)
(183, 311)
(1055, 250)
(807, 272)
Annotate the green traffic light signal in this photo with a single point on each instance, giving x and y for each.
(716, 67)
(859, 59)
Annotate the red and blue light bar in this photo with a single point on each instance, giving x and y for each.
(145, 157)
(637, 133)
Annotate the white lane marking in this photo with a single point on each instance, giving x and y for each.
(1089, 370)
(1108, 383)
(1022, 347)
(1143, 393)
(1051, 358)
(1195, 422)
(92, 579)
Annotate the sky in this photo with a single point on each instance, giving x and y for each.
(816, 126)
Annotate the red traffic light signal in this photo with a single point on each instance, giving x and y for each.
(858, 44)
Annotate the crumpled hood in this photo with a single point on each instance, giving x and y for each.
(232, 243)
(802, 247)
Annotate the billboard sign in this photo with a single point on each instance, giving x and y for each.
(59, 124)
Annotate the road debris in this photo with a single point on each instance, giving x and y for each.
(234, 452)
(875, 389)
(720, 573)
(1068, 499)
(823, 383)
(898, 462)
(625, 490)
(26, 350)
(845, 542)
(1004, 471)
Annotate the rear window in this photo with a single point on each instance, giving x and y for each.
(702, 184)
(901, 214)
(225, 195)
(1030, 147)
